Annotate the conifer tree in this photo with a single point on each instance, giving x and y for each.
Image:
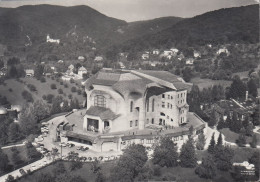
(201, 141)
(253, 143)
(188, 155)
(220, 140)
(212, 144)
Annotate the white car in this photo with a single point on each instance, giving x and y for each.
(33, 167)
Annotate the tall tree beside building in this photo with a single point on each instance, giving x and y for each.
(130, 163)
(165, 153)
(213, 120)
(252, 87)
(187, 74)
(211, 148)
(201, 141)
(241, 141)
(188, 155)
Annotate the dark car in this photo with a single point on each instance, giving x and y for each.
(22, 171)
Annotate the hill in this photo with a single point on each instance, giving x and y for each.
(231, 25)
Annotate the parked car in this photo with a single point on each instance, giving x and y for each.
(22, 171)
(33, 167)
(79, 147)
(71, 145)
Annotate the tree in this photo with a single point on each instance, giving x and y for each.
(60, 91)
(223, 157)
(59, 168)
(28, 121)
(253, 143)
(4, 161)
(74, 104)
(16, 158)
(31, 152)
(211, 148)
(220, 140)
(237, 89)
(56, 105)
(14, 132)
(252, 87)
(40, 110)
(256, 116)
(241, 141)
(165, 154)
(38, 71)
(201, 141)
(10, 178)
(95, 166)
(53, 86)
(213, 119)
(75, 164)
(249, 129)
(207, 169)
(130, 163)
(43, 80)
(254, 159)
(73, 89)
(222, 124)
(45, 177)
(100, 177)
(188, 155)
(187, 74)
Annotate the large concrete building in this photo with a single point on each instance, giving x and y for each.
(133, 106)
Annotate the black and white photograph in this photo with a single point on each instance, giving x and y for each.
(129, 90)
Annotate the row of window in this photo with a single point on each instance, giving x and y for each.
(100, 101)
(152, 121)
(171, 97)
(181, 101)
(131, 123)
(169, 106)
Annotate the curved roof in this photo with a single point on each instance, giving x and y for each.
(18, 108)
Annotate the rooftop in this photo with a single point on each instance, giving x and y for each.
(103, 113)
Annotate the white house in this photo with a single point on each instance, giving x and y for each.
(98, 58)
(145, 56)
(81, 71)
(190, 61)
(81, 58)
(223, 50)
(174, 50)
(196, 54)
(48, 39)
(29, 72)
(71, 67)
(156, 51)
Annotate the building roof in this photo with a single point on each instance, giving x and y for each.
(3, 110)
(126, 82)
(82, 68)
(103, 113)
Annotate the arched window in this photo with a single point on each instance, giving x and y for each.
(100, 101)
(147, 105)
(153, 105)
(131, 106)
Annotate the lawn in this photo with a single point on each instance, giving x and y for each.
(15, 97)
(231, 136)
(85, 172)
(22, 154)
(205, 83)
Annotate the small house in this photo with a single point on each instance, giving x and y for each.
(98, 58)
(81, 71)
(81, 58)
(145, 56)
(156, 51)
(29, 72)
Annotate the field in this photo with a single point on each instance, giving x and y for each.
(15, 97)
(206, 83)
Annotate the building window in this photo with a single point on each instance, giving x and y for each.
(171, 106)
(162, 114)
(168, 105)
(178, 102)
(147, 105)
(153, 105)
(171, 120)
(169, 96)
(163, 96)
(181, 94)
(100, 101)
(131, 106)
(152, 121)
(178, 96)
(163, 104)
(131, 123)
(136, 122)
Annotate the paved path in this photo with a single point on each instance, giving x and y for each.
(10, 146)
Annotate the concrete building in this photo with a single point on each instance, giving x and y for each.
(132, 106)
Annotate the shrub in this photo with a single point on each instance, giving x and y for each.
(43, 79)
(49, 98)
(44, 97)
(31, 87)
(10, 90)
(53, 86)
(73, 89)
(70, 96)
(79, 92)
(66, 85)
(27, 96)
(61, 83)
(72, 80)
(60, 91)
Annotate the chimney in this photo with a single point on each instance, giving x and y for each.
(246, 95)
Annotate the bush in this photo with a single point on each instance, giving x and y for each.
(49, 98)
(10, 90)
(53, 86)
(44, 97)
(79, 92)
(157, 170)
(61, 83)
(27, 96)
(66, 85)
(70, 96)
(43, 79)
(72, 80)
(60, 91)
(73, 89)
(31, 87)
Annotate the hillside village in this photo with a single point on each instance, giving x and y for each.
(70, 103)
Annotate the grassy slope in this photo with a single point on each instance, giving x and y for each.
(15, 96)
